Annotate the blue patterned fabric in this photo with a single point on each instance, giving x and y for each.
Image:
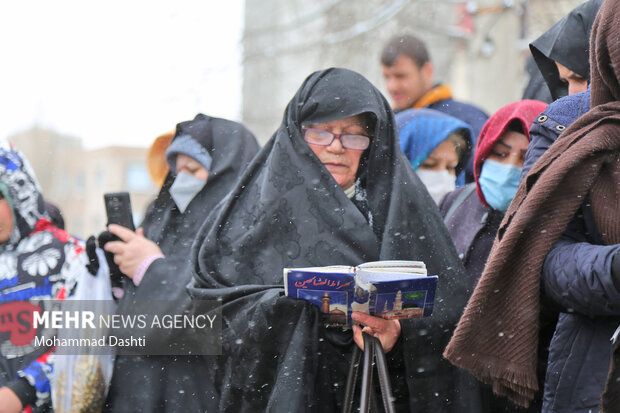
(37, 263)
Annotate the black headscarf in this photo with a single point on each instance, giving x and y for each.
(231, 147)
(288, 211)
(568, 43)
(175, 383)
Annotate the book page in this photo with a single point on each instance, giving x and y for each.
(392, 264)
(370, 276)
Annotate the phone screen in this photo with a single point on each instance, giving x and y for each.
(118, 209)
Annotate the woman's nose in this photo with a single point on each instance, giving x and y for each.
(336, 145)
(516, 159)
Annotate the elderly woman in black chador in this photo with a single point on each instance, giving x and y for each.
(330, 187)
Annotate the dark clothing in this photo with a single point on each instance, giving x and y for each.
(499, 327)
(469, 114)
(288, 211)
(536, 87)
(473, 224)
(175, 383)
(577, 277)
(55, 215)
(472, 228)
(568, 43)
(551, 123)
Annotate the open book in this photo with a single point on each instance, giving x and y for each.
(388, 289)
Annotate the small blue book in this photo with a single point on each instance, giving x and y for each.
(388, 289)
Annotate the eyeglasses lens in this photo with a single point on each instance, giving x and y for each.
(325, 138)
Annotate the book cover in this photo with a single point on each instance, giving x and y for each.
(388, 289)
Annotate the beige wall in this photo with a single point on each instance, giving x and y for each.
(75, 179)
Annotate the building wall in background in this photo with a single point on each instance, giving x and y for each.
(75, 179)
(478, 47)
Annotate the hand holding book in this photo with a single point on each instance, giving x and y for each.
(387, 331)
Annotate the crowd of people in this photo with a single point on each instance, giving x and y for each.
(517, 213)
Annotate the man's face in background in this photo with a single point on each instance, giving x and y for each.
(406, 82)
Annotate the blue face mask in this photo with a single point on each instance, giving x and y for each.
(499, 183)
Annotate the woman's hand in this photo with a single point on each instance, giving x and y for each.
(387, 331)
(132, 250)
(9, 402)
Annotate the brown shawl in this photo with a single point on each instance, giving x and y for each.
(497, 336)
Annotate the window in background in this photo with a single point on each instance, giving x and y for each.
(79, 183)
(137, 178)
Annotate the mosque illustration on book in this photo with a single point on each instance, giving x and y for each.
(336, 315)
(394, 307)
(400, 309)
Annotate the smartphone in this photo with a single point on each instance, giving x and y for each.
(118, 209)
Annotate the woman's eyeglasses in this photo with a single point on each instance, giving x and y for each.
(325, 138)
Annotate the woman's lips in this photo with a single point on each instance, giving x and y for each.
(335, 165)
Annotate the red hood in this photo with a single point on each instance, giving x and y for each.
(524, 110)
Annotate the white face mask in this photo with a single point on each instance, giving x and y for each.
(184, 188)
(438, 183)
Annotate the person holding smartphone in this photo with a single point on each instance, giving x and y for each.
(205, 158)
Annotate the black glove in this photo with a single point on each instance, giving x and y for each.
(93, 261)
(116, 275)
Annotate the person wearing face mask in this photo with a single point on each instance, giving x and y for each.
(473, 213)
(205, 158)
(437, 146)
(559, 243)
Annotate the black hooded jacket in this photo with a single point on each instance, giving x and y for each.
(568, 43)
(167, 383)
(288, 211)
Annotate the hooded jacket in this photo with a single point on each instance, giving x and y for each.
(39, 262)
(473, 225)
(439, 98)
(568, 43)
(551, 123)
(288, 211)
(421, 130)
(174, 383)
(544, 232)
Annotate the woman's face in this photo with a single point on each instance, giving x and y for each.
(6, 221)
(191, 167)
(444, 157)
(510, 149)
(341, 162)
(575, 82)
